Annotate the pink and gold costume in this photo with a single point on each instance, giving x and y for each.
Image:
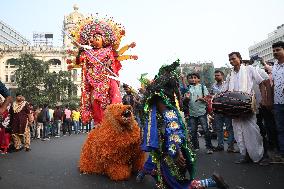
(98, 63)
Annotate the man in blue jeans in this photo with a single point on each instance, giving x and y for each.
(197, 112)
(221, 120)
(278, 80)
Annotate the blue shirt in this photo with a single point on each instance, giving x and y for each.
(215, 89)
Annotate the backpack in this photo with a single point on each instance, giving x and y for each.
(209, 108)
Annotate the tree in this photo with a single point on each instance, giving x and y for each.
(207, 74)
(225, 70)
(38, 85)
(59, 87)
(30, 75)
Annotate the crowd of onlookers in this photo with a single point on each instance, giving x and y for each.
(259, 137)
(21, 122)
(57, 122)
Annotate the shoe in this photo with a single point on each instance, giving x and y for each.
(17, 150)
(218, 148)
(277, 158)
(264, 162)
(209, 151)
(244, 159)
(220, 181)
(231, 149)
(4, 151)
(27, 149)
(196, 149)
(140, 176)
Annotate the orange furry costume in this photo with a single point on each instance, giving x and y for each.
(113, 148)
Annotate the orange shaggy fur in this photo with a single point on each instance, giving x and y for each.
(113, 148)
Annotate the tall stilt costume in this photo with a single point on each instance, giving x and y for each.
(99, 59)
(165, 137)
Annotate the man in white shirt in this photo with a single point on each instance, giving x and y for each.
(278, 80)
(246, 131)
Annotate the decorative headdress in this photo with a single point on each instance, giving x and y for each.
(165, 85)
(85, 28)
(111, 31)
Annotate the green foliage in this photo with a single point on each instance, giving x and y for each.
(225, 70)
(206, 72)
(39, 86)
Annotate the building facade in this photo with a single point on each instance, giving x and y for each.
(264, 48)
(7, 68)
(12, 45)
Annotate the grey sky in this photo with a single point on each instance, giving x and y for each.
(163, 30)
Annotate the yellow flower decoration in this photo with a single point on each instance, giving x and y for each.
(175, 138)
(174, 125)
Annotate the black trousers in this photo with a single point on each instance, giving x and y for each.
(67, 126)
(267, 126)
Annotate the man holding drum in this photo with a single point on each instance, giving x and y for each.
(246, 131)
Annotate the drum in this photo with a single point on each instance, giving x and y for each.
(234, 104)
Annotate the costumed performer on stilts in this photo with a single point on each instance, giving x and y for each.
(98, 39)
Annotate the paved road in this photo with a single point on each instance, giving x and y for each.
(53, 164)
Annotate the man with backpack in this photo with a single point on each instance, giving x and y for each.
(198, 111)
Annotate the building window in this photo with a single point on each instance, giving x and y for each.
(12, 78)
(74, 75)
(11, 63)
(55, 62)
(6, 78)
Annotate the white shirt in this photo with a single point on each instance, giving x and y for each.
(252, 76)
(278, 78)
